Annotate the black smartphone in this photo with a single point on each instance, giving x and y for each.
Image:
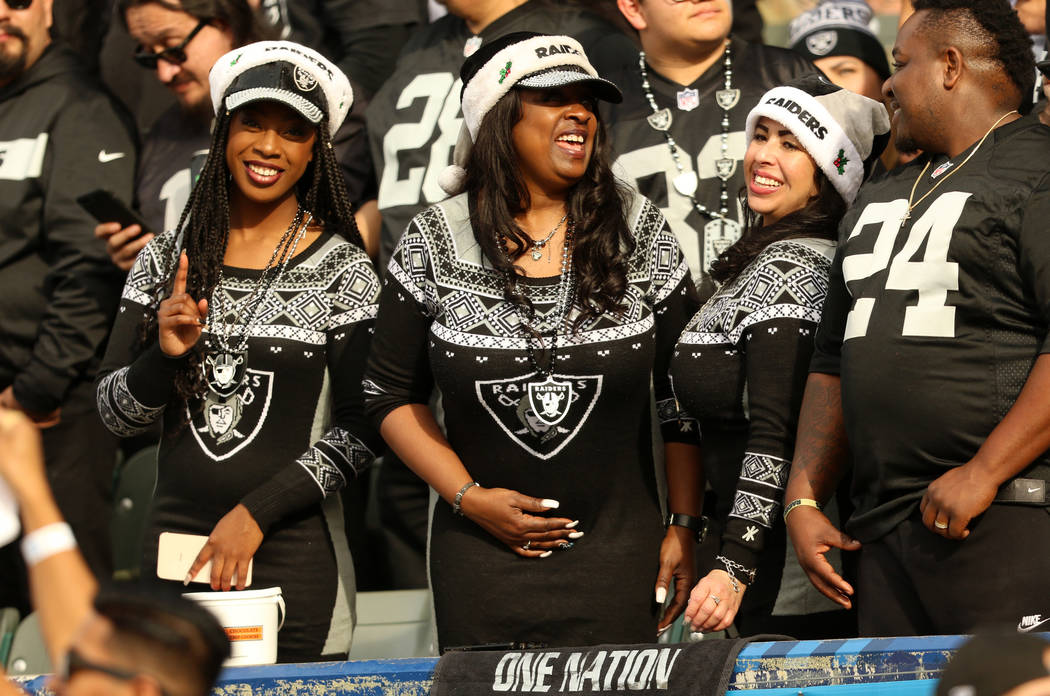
(105, 207)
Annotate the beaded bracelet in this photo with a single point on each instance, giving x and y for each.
(459, 497)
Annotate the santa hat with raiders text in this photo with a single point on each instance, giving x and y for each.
(839, 28)
(286, 72)
(522, 59)
(842, 131)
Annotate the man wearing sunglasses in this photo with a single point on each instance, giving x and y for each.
(61, 136)
(179, 41)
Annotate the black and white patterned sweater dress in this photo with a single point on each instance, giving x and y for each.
(283, 444)
(738, 372)
(443, 320)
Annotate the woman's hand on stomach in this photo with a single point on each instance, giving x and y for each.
(506, 515)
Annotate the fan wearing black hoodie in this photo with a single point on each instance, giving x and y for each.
(60, 136)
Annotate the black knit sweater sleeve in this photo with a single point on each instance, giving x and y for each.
(777, 345)
(349, 444)
(398, 371)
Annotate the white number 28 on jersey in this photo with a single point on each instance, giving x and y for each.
(932, 275)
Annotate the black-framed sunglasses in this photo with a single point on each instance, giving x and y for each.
(74, 662)
(176, 55)
(18, 4)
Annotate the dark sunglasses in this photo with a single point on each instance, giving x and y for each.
(18, 4)
(74, 662)
(176, 55)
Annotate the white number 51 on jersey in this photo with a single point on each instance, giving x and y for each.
(932, 275)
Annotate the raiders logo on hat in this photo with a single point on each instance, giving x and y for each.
(822, 42)
(303, 79)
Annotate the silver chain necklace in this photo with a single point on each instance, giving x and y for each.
(686, 182)
(537, 245)
(225, 366)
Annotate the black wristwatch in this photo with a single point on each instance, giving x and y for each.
(698, 525)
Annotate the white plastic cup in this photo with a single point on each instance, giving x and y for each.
(251, 619)
(9, 525)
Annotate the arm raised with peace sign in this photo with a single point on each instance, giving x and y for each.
(180, 318)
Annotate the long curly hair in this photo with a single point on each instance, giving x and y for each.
(597, 206)
(204, 229)
(819, 218)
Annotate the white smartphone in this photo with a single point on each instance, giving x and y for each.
(176, 553)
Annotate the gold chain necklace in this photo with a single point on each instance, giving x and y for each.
(911, 206)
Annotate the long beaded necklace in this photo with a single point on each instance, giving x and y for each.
(225, 366)
(549, 398)
(686, 182)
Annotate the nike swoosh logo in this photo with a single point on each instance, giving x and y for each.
(104, 156)
(1029, 629)
(1033, 490)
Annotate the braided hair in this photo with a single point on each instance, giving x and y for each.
(204, 230)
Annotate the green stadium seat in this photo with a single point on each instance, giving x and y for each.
(395, 623)
(28, 653)
(9, 619)
(131, 504)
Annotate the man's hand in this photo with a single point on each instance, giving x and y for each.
(813, 535)
(956, 497)
(122, 245)
(42, 420)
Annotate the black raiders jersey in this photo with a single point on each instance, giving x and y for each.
(935, 318)
(643, 158)
(414, 119)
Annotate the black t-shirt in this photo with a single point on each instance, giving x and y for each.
(643, 158)
(414, 119)
(163, 182)
(934, 325)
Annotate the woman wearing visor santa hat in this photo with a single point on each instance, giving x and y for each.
(741, 365)
(246, 329)
(540, 299)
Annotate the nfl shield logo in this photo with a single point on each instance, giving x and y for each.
(688, 99)
(941, 169)
(821, 43)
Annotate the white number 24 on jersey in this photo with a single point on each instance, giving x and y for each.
(932, 275)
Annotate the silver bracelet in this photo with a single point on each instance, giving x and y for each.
(459, 497)
(730, 566)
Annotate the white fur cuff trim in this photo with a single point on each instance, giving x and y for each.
(511, 64)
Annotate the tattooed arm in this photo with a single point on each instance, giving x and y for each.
(821, 450)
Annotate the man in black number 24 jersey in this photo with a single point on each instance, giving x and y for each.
(930, 363)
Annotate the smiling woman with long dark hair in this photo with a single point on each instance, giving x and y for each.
(540, 300)
(246, 330)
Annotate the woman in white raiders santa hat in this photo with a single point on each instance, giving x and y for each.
(541, 299)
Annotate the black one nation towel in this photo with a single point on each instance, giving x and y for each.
(683, 669)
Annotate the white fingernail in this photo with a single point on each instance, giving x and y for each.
(572, 524)
(696, 636)
(661, 631)
(575, 535)
(661, 595)
(549, 503)
(545, 554)
(186, 580)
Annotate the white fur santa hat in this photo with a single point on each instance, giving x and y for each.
(521, 59)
